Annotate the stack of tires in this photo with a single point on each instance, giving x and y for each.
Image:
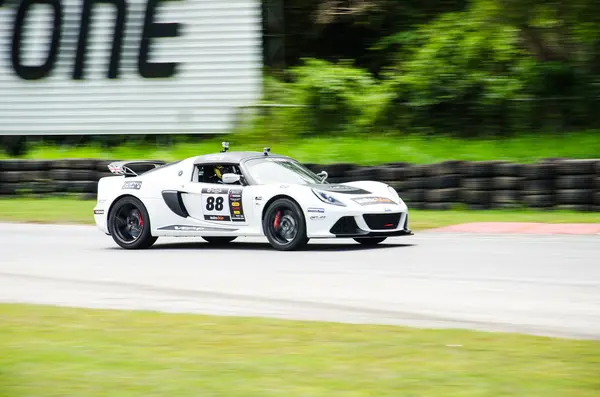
(395, 175)
(597, 188)
(75, 176)
(443, 184)
(363, 174)
(477, 186)
(576, 184)
(19, 177)
(507, 184)
(539, 181)
(414, 186)
(337, 173)
(50, 178)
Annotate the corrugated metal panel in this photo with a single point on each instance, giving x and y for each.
(219, 50)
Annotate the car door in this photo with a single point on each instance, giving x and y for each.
(214, 202)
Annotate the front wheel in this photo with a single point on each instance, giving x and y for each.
(284, 225)
(219, 240)
(129, 224)
(370, 240)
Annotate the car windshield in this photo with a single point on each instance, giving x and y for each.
(278, 170)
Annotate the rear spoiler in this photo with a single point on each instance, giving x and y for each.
(133, 168)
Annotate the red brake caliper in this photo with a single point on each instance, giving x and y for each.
(276, 222)
(140, 219)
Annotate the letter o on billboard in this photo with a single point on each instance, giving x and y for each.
(39, 71)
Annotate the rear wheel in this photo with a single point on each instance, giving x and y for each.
(370, 240)
(284, 225)
(220, 239)
(129, 224)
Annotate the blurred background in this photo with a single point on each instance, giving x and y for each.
(366, 82)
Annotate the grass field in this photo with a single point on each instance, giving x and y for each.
(69, 210)
(360, 150)
(47, 351)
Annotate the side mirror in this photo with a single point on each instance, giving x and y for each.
(231, 178)
(323, 175)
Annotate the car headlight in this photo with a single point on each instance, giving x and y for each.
(395, 195)
(327, 198)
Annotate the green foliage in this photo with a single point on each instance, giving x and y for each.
(462, 68)
(336, 30)
(326, 98)
(338, 97)
(374, 149)
(465, 67)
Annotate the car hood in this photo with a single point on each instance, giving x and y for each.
(367, 194)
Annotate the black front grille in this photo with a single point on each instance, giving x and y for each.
(345, 225)
(382, 221)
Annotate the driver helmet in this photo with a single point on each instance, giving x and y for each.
(220, 170)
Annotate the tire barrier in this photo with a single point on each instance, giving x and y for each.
(52, 177)
(548, 184)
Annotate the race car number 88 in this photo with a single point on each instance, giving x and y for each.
(214, 204)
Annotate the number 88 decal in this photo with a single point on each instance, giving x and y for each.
(210, 204)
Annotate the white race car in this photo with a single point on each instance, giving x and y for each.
(225, 195)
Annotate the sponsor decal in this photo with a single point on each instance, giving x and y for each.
(185, 228)
(98, 212)
(134, 185)
(215, 190)
(342, 189)
(373, 200)
(318, 217)
(258, 198)
(316, 210)
(189, 228)
(218, 218)
(235, 205)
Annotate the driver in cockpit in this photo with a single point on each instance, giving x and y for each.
(219, 171)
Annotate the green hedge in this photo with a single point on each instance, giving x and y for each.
(492, 67)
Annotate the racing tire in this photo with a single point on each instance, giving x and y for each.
(370, 240)
(129, 224)
(220, 240)
(284, 225)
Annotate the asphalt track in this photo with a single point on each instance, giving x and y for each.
(541, 285)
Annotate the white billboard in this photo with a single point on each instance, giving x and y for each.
(127, 66)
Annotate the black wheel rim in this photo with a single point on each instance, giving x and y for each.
(128, 224)
(283, 225)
